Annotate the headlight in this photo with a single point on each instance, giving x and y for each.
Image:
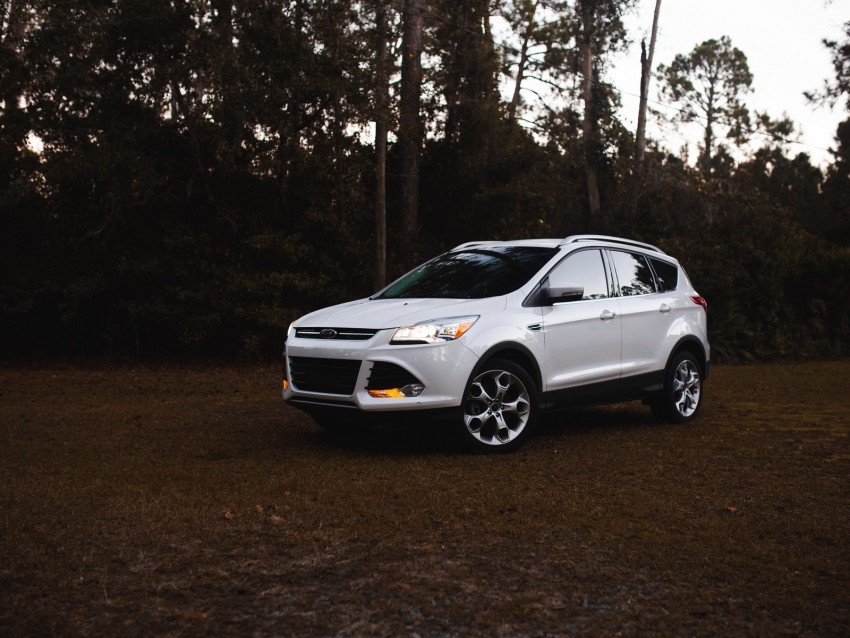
(434, 331)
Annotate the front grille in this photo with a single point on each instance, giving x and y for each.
(331, 376)
(388, 375)
(344, 334)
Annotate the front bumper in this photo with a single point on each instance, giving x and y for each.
(329, 373)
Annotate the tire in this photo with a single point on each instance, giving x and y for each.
(500, 407)
(682, 396)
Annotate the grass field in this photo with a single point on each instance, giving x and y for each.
(191, 501)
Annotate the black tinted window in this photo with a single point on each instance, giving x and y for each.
(471, 274)
(633, 274)
(666, 273)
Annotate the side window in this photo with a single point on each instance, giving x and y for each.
(666, 273)
(633, 274)
(584, 268)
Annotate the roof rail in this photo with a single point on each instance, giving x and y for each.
(468, 244)
(572, 239)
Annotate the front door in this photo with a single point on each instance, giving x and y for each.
(583, 336)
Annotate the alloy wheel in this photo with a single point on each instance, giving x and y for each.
(497, 407)
(687, 387)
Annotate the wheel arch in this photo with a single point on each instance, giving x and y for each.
(694, 346)
(516, 353)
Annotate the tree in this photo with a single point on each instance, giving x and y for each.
(587, 9)
(640, 133)
(524, 20)
(196, 157)
(832, 92)
(707, 86)
(382, 99)
(203, 174)
(544, 33)
(15, 20)
(468, 80)
(836, 190)
(645, 75)
(599, 28)
(410, 129)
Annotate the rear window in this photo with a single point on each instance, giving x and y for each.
(666, 273)
(471, 274)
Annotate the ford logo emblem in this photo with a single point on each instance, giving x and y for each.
(328, 333)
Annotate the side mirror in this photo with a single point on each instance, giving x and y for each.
(569, 292)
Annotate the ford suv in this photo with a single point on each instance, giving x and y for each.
(492, 333)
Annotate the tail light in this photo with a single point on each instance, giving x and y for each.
(700, 301)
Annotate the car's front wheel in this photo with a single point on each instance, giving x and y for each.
(682, 396)
(499, 407)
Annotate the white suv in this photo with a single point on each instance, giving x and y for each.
(491, 333)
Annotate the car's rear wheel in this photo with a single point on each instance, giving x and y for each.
(499, 407)
(682, 396)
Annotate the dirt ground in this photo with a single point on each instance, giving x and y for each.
(190, 501)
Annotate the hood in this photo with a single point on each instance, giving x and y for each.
(380, 314)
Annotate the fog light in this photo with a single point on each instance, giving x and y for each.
(411, 390)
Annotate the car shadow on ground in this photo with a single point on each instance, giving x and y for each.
(422, 437)
(603, 418)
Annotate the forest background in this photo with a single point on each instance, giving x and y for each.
(186, 177)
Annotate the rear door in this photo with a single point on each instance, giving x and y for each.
(648, 314)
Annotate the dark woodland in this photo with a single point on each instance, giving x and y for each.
(185, 177)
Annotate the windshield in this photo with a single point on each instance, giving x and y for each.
(471, 274)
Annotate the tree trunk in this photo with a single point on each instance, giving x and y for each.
(229, 118)
(588, 125)
(381, 102)
(523, 62)
(410, 125)
(708, 140)
(640, 135)
(645, 74)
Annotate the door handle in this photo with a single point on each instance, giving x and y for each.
(665, 309)
(607, 315)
